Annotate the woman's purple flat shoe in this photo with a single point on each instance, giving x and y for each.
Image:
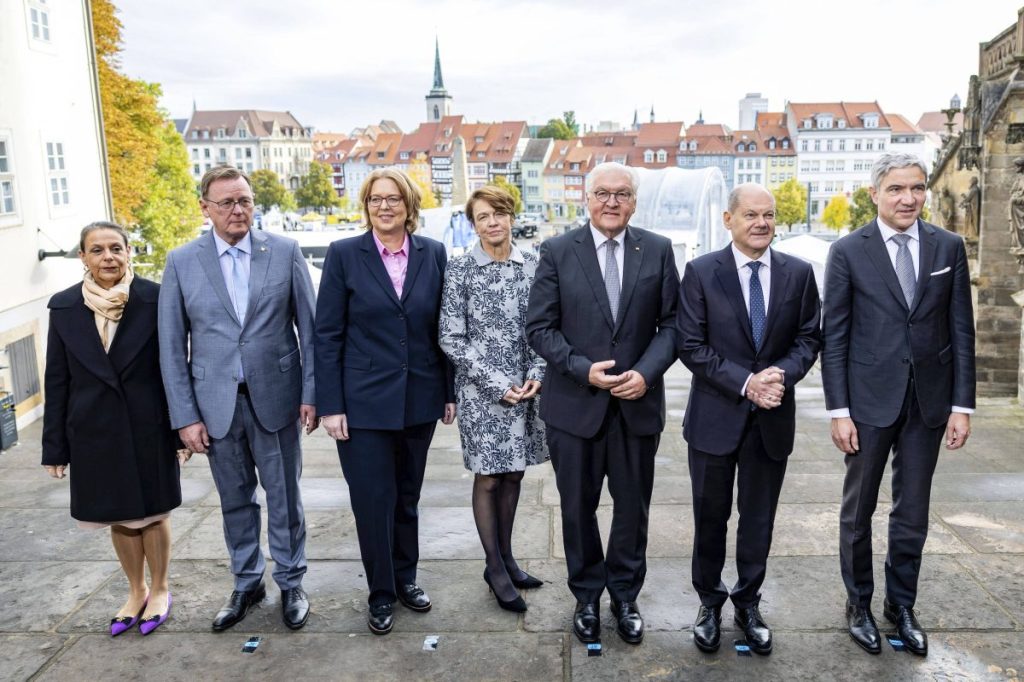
(119, 625)
(153, 622)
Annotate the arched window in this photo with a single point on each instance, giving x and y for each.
(437, 113)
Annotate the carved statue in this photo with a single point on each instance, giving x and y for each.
(947, 209)
(1017, 205)
(970, 201)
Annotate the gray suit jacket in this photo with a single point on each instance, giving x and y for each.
(201, 340)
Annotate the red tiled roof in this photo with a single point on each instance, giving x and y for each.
(660, 134)
(851, 112)
(935, 122)
(385, 150)
(901, 125)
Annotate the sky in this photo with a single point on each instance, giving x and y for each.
(342, 64)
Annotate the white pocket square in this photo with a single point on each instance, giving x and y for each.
(943, 271)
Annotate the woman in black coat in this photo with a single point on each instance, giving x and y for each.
(106, 416)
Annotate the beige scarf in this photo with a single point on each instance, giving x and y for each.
(107, 304)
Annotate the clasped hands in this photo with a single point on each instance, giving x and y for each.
(519, 393)
(766, 388)
(630, 385)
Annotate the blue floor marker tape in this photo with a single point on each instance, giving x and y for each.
(594, 649)
(895, 642)
(742, 648)
(250, 645)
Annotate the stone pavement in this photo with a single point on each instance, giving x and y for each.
(59, 586)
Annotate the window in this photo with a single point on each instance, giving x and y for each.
(56, 174)
(841, 123)
(828, 145)
(825, 122)
(870, 146)
(8, 205)
(206, 153)
(248, 152)
(775, 177)
(842, 145)
(206, 134)
(871, 120)
(222, 155)
(881, 145)
(840, 165)
(243, 133)
(648, 156)
(662, 156)
(803, 145)
(817, 145)
(814, 205)
(238, 153)
(195, 169)
(785, 143)
(531, 174)
(693, 145)
(829, 187)
(404, 156)
(856, 145)
(39, 20)
(220, 133)
(808, 123)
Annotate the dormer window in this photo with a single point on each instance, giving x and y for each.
(771, 143)
(693, 145)
(404, 156)
(662, 156)
(220, 133)
(479, 139)
(807, 123)
(871, 120)
(751, 147)
(841, 123)
(825, 121)
(648, 156)
(785, 143)
(740, 147)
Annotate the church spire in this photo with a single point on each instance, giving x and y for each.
(438, 79)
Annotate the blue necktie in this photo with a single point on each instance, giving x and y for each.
(757, 314)
(240, 285)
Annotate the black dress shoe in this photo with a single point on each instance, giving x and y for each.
(755, 630)
(863, 629)
(586, 622)
(237, 606)
(527, 582)
(413, 597)
(517, 605)
(707, 629)
(294, 607)
(381, 618)
(913, 636)
(631, 623)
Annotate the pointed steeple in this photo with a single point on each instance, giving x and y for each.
(700, 116)
(438, 79)
(439, 102)
(652, 113)
(636, 120)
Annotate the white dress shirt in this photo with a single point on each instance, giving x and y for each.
(600, 243)
(745, 273)
(891, 247)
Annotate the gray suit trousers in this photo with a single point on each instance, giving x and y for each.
(234, 460)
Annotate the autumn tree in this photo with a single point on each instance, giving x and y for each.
(501, 182)
(837, 212)
(419, 173)
(268, 191)
(863, 210)
(153, 192)
(315, 189)
(790, 203)
(170, 215)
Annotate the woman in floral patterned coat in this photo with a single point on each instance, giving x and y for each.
(497, 381)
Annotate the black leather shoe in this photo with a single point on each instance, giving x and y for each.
(913, 636)
(707, 629)
(295, 607)
(237, 606)
(527, 582)
(863, 629)
(755, 630)
(381, 618)
(631, 623)
(586, 622)
(413, 597)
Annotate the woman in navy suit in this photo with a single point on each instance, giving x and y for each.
(106, 417)
(382, 381)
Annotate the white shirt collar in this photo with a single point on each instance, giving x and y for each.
(600, 239)
(742, 259)
(888, 232)
(244, 244)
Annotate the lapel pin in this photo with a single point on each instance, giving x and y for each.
(263, 248)
(637, 248)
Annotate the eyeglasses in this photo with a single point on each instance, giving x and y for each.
(392, 201)
(622, 196)
(245, 203)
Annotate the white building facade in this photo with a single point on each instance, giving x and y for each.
(53, 176)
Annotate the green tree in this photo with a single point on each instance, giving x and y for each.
(557, 129)
(268, 191)
(315, 189)
(569, 118)
(170, 215)
(837, 212)
(571, 213)
(863, 210)
(790, 203)
(503, 183)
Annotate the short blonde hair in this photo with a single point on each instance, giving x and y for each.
(406, 187)
(498, 198)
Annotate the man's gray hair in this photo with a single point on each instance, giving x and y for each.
(890, 162)
(607, 166)
(738, 190)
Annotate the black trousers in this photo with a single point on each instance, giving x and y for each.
(384, 472)
(581, 465)
(758, 487)
(915, 449)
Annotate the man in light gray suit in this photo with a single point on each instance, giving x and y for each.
(239, 383)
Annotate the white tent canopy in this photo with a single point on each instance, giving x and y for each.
(811, 249)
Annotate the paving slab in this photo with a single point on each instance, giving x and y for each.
(38, 595)
(989, 527)
(23, 655)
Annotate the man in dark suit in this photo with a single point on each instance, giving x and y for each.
(898, 369)
(601, 312)
(747, 327)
